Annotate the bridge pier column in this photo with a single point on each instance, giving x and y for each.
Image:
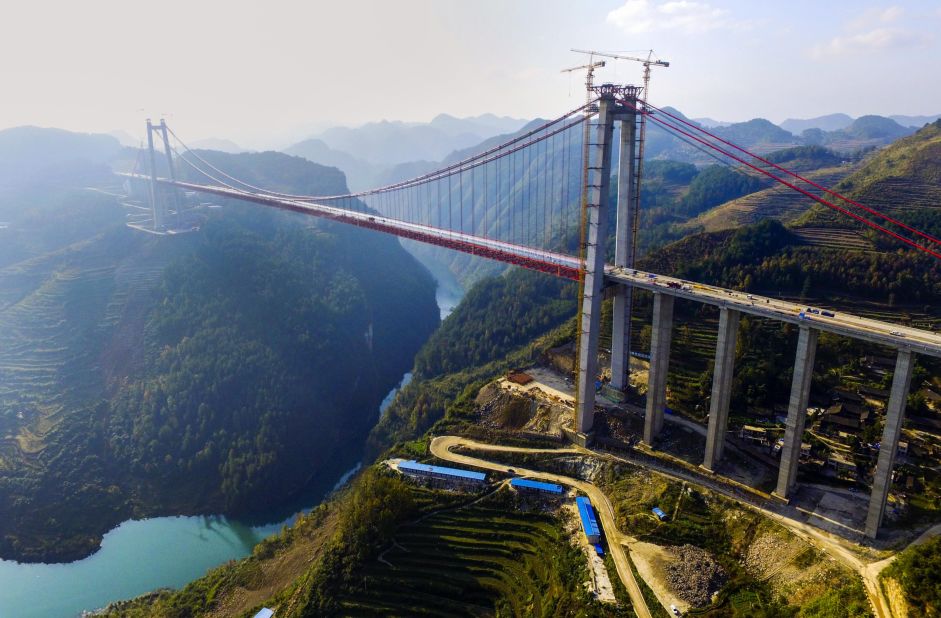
(599, 172)
(623, 255)
(171, 192)
(797, 410)
(721, 386)
(154, 201)
(894, 414)
(659, 365)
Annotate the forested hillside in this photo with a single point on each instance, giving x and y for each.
(903, 180)
(202, 373)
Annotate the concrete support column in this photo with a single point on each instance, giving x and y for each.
(623, 255)
(797, 410)
(599, 172)
(171, 191)
(659, 365)
(154, 204)
(894, 414)
(721, 386)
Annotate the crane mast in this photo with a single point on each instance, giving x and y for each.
(647, 62)
(589, 84)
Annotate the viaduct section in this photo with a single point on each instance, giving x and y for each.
(623, 277)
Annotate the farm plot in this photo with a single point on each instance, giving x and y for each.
(64, 319)
(777, 202)
(471, 562)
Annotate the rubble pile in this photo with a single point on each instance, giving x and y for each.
(766, 554)
(695, 575)
(502, 409)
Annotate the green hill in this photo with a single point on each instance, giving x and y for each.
(875, 127)
(755, 131)
(902, 180)
(199, 373)
(30, 153)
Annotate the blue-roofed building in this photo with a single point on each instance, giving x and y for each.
(589, 522)
(265, 613)
(659, 513)
(454, 476)
(537, 486)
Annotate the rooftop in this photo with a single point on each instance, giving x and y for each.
(414, 466)
(587, 515)
(530, 484)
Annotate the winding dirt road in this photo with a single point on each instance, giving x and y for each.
(826, 542)
(441, 448)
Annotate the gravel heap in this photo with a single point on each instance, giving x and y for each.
(695, 575)
(765, 555)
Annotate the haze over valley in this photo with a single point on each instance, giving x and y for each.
(410, 309)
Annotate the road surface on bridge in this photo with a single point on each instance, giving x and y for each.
(562, 265)
(841, 323)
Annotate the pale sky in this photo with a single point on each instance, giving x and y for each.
(266, 73)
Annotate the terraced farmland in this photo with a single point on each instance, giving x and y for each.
(777, 202)
(473, 561)
(64, 318)
(833, 238)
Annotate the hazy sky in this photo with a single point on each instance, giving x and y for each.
(268, 72)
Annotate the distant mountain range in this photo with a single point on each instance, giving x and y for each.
(830, 122)
(380, 152)
(709, 123)
(33, 152)
(839, 132)
(836, 122)
(215, 143)
(390, 143)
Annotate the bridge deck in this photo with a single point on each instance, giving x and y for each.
(566, 266)
(842, 323)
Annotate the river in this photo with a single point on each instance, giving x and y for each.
(161, 552)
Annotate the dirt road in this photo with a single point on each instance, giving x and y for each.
(441, 448)
(830, 544)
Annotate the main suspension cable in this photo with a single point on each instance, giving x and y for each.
(859, 218)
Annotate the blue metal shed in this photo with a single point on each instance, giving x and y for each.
(441, 472)
(589, 522)
(265, 613)
(659, 513)
(549, 488)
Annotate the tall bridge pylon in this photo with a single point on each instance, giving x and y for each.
(158, 203)
(611, 109)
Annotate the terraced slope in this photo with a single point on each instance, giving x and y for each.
(57, 314)
(467, 563)
(903, 180)
(835, 238)
(777, 202)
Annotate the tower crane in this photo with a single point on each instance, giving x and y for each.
(589, 76)
(648, 62)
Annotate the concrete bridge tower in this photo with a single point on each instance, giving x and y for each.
(597, 196)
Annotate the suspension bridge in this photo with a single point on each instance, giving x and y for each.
(540, 200)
